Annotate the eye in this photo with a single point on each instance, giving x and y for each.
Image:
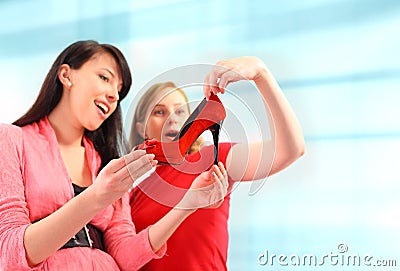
(104, 78)
(158, 112)
(180, 112)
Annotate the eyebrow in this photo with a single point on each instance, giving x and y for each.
(113, 75)
(177, 104)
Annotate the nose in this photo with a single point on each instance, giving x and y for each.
(172, 118)
(113, 95)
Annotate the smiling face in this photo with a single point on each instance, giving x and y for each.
(94, 93)
(167, 117)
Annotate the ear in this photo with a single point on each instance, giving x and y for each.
(64, 75)
(140, 129)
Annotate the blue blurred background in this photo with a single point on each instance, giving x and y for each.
(338, 63)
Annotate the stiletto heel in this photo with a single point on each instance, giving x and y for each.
(215, 133)
(208, 115)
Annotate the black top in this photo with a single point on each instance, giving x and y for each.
(78, 189)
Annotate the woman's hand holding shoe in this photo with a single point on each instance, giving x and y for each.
(208, 190)
(228, 71)
(117, 177)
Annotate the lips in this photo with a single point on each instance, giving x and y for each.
(171, 134)
(104, 107)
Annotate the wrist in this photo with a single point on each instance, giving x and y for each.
(263, 73)
(184, 212)
(186, 205)
(91, 196)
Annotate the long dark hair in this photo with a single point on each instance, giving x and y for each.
(108, 139)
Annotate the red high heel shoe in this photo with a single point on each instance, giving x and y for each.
(208, 115)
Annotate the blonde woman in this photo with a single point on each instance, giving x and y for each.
(201, 242)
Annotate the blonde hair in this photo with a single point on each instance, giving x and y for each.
(152, 95)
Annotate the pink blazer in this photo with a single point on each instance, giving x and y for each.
(34, 183)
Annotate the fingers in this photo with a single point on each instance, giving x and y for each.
(223, 73)
(119, 174)
(206, 86)
(212, 80)
(220, 183)
(224, 178)
(127, 175)
(226, 78)
(140, 166)
(139, 147)
(220, 172)
(232, 70)
(132, 165)
(133, 155)
(116, 165)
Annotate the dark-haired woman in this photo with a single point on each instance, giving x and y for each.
(64, 182)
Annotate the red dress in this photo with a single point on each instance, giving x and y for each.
(201, 241)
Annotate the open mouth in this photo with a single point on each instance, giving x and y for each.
(103, 107)
(171, 134)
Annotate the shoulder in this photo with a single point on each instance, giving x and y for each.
(17, 134)
(10, 132)
(11, 140)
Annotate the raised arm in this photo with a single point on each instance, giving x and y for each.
(287, 144)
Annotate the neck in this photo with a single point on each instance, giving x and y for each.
(67, 133)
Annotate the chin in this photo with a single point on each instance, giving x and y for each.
(93, 127)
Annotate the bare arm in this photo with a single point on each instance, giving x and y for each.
(45, 237)
(287, 144)
(207, 191)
